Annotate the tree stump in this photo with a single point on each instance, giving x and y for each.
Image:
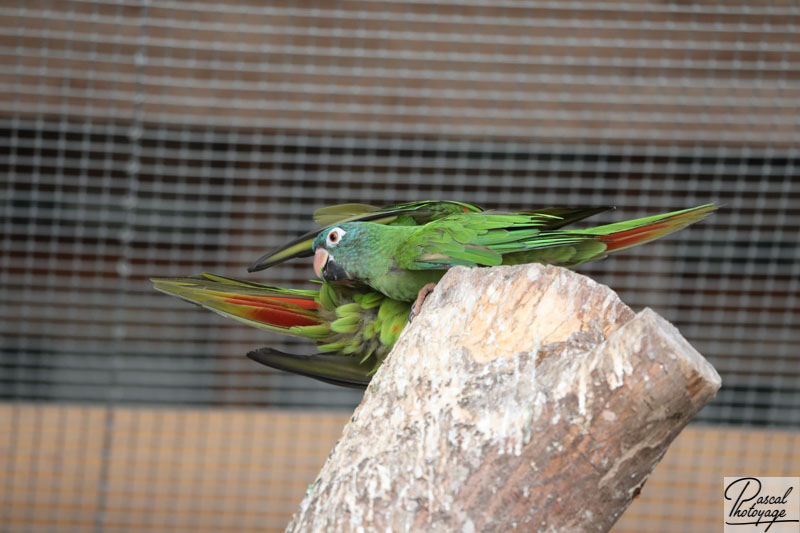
(524, 398)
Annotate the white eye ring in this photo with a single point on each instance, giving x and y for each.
(334, 236)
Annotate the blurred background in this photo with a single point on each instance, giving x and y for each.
(142, 139)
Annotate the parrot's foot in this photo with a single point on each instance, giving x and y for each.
(421, 295)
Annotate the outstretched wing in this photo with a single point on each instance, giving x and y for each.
(410, 213)
(254, 304)
(356, 329)
(489, 240)
(471, 240)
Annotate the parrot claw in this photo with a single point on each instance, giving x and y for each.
(421, 296)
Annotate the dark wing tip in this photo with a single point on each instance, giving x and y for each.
(307, 365)
(299, 247)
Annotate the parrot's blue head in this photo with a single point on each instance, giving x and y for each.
(341, 241)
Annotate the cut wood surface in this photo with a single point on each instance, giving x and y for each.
(522, 398)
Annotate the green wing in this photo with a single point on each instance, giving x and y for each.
(473, 240)
(492, 239)
(405, 214)
(287, 311)
(328, 216)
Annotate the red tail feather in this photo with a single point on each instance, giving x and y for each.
(282, 317)
(633, 236)
(269, 311)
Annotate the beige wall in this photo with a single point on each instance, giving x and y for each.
(247, 470)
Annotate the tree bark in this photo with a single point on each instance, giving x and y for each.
(523, 398)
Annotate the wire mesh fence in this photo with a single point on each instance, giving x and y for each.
(145, 139)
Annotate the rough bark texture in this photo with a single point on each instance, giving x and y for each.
(524, 398)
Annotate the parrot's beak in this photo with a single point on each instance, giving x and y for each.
(326, 268)
(321, 257)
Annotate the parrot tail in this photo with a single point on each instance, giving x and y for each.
(629, 233)
(285, 311)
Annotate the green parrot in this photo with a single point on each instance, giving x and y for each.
(355, 328)
(404, 262)
(404, 214)
(354, 325)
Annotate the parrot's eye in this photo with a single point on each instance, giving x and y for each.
(335, 235)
